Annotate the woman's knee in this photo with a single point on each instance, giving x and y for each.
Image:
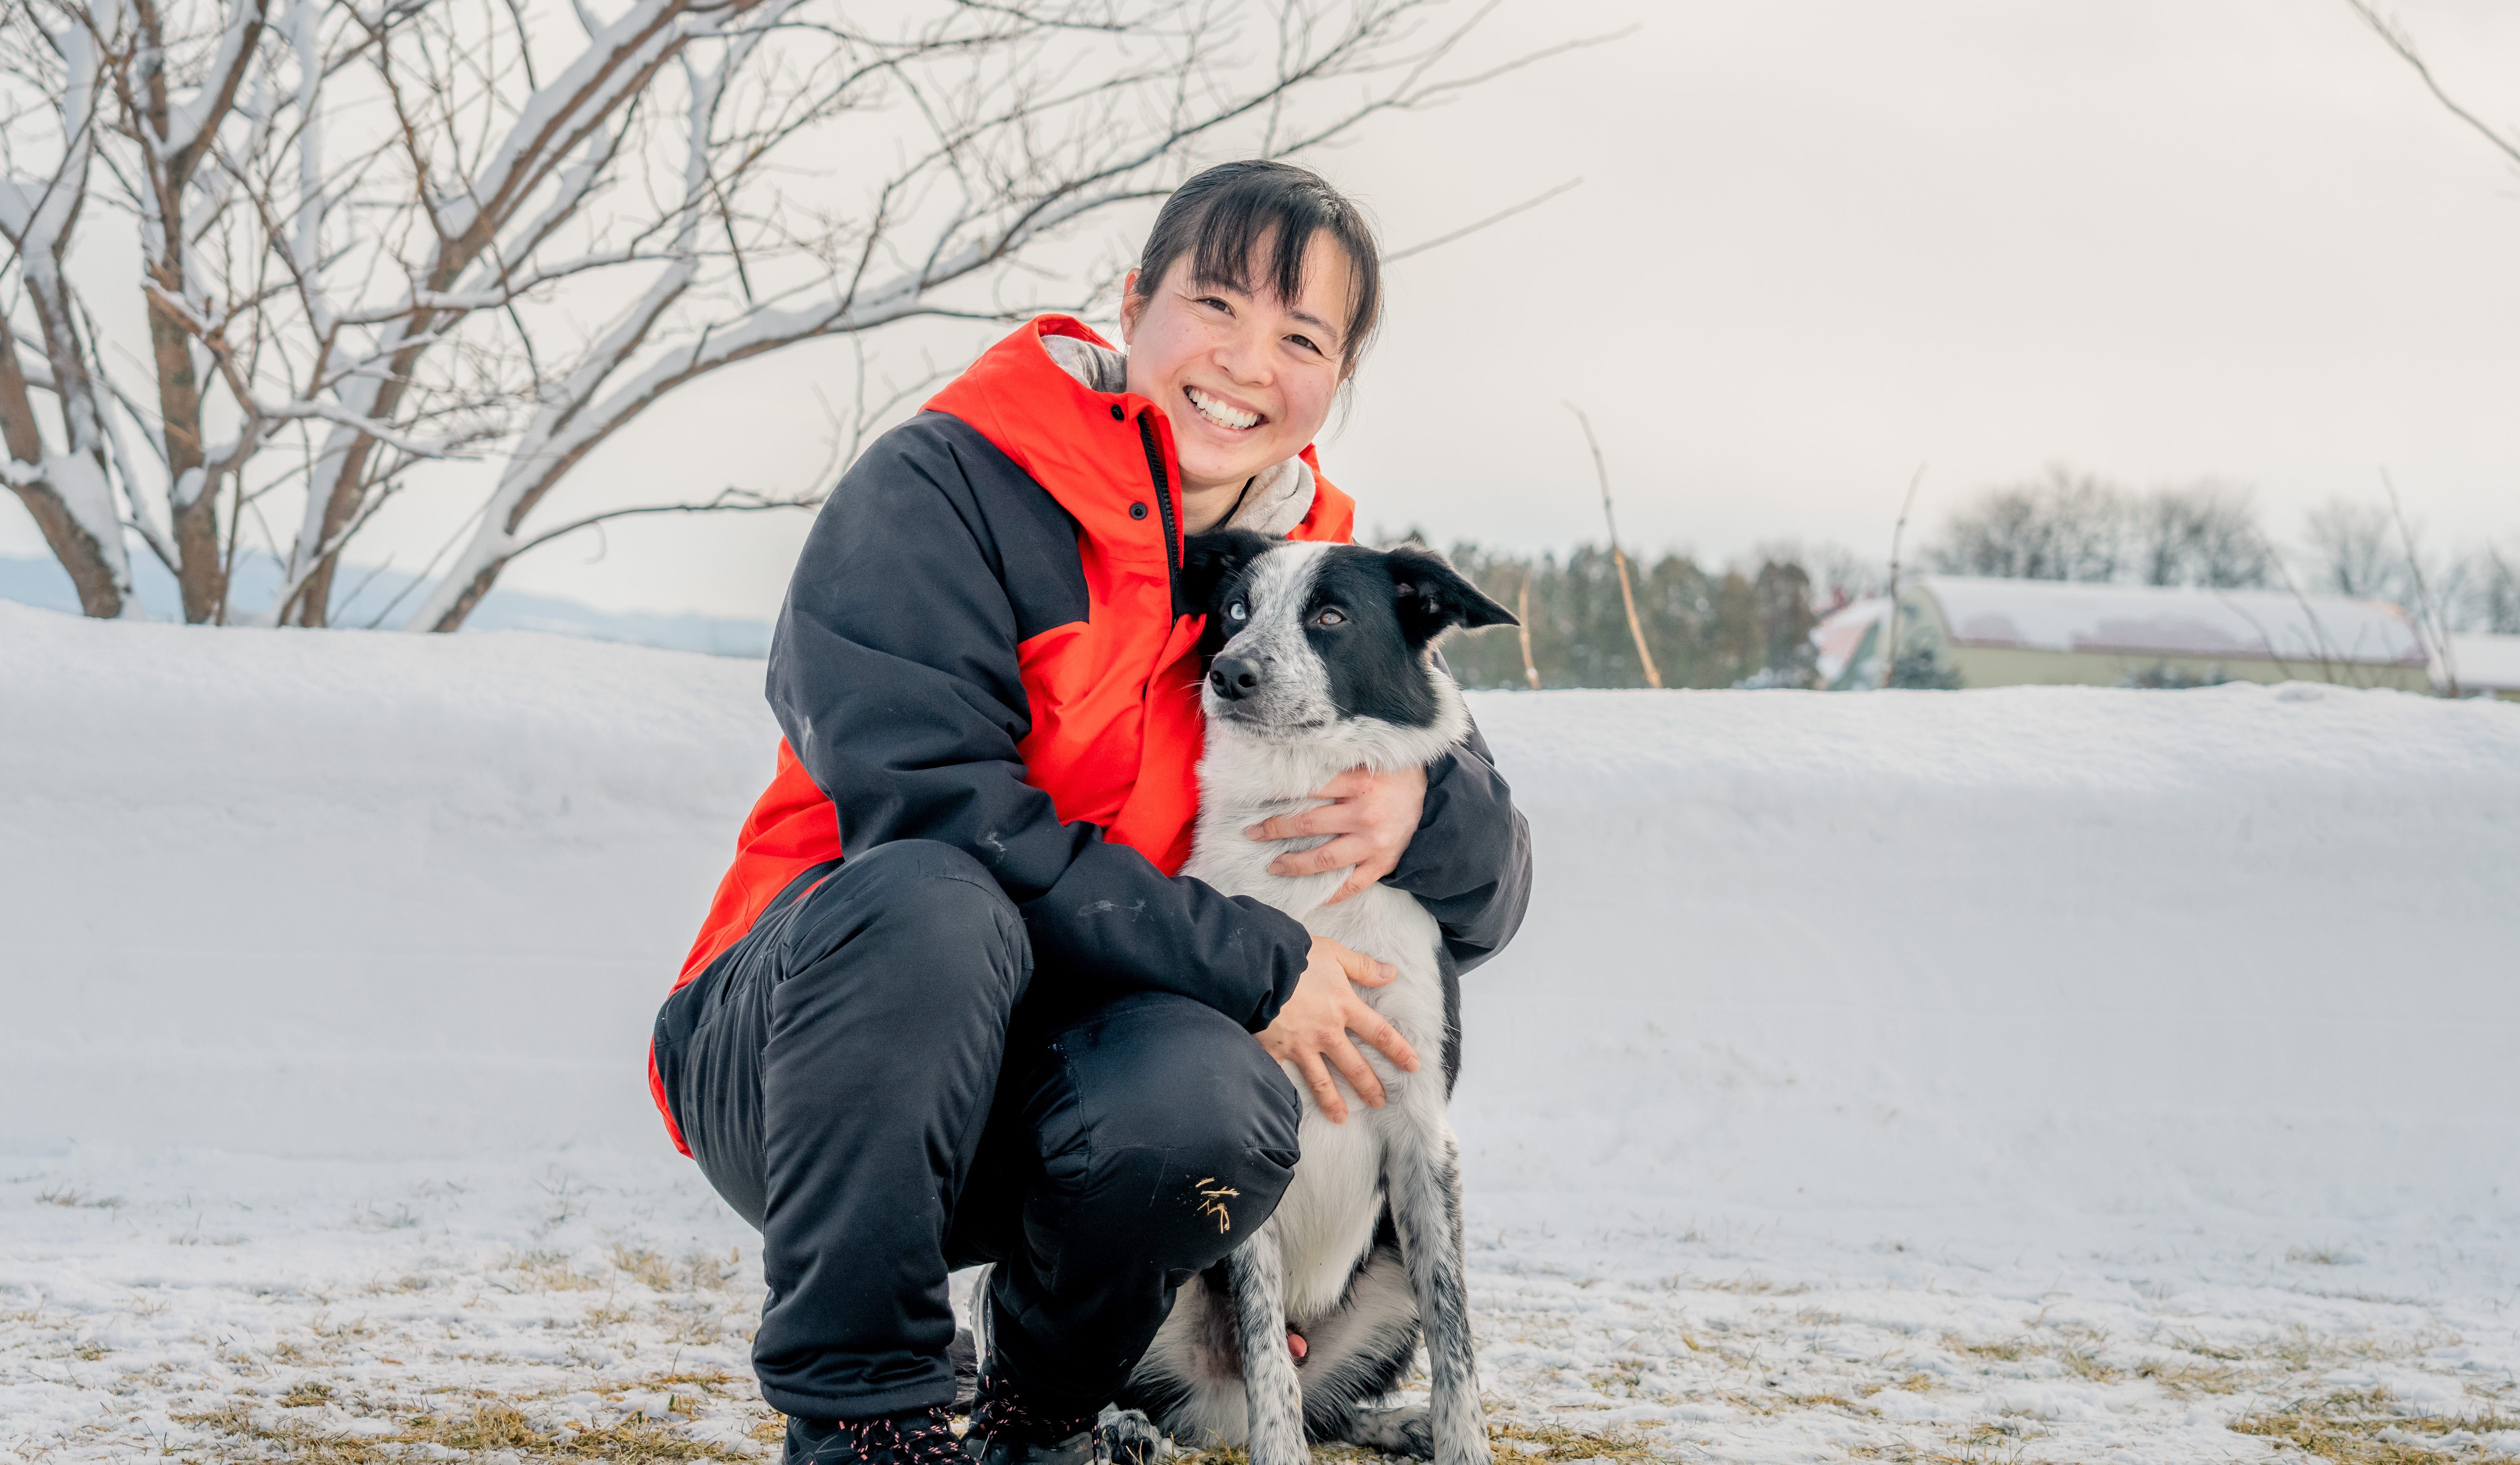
(1161, 1074)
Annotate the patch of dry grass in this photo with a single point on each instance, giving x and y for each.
(488, 1425)
(644, 1267)
(1999, 1350)
(1752, 1286)
(2078, 1351)
(292, 1441)
(2186, 1380)
(2348, 1427)
(72, 1196)
(548, 1271)
(1550, 1443)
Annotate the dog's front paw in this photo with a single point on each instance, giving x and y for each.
(1395, 1432)
(1127, 1437)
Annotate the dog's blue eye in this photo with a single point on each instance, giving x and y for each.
(1331, 616)
(1236, 613)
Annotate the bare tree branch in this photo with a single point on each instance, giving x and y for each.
(2398, 40)
(377, 234)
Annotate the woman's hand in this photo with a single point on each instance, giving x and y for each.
(1373, 817)
(1314, 1023)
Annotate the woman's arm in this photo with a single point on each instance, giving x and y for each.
(1448, 834)
(894, 674)
(1469, 863)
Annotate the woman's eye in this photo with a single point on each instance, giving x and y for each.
(1238, 611)
(1330, 616)
(1306, 344)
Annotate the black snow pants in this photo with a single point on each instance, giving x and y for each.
(864, 1079)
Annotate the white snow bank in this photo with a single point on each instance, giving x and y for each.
(2239, 947)
(341, 893)
(2484, 663)
(308, 893)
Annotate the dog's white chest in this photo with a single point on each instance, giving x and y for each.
(1325, 1222)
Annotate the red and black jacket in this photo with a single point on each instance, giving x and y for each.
(983, 645)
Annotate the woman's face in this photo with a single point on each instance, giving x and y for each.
(1248, 379)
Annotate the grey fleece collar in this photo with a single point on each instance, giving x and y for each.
(1278, 497)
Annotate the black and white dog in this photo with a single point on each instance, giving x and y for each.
(1324, 662)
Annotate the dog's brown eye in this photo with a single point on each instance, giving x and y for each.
(1331, 616)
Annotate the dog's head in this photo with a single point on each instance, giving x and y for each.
(1321, 642)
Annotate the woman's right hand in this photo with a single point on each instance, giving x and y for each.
(1312, 1030)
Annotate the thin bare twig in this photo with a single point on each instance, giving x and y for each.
(1889, 657)
(2398, 40)
(1499, 218)
(1618, 555)
(2434, 626)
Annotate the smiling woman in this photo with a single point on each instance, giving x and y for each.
(1004, 1028)
(1257, 294)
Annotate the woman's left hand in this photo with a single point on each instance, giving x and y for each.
(1371, 816)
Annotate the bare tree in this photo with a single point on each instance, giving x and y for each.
(2066, 527)
(2353, 551)
(2490, 592)
(1782, 600)
(2477, 591)
(378, 237)
(2205, 534)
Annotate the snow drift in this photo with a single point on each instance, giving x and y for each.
(327, 893)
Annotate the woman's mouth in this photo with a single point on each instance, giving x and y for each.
(1223, 414)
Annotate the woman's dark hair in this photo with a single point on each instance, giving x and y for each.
(1219, 218)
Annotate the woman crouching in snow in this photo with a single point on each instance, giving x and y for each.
(1003, 1030)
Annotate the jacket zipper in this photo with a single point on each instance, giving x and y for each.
(1164, 505)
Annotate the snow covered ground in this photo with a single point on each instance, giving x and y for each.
(2043, 1074)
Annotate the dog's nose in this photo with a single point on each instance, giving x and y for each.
(1234, 677)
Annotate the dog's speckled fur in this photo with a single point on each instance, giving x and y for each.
(1365, 1251)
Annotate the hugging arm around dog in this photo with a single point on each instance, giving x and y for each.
(954, 1002)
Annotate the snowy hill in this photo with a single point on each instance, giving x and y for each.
(2040, 1073)
(336, 894)
(367, 591)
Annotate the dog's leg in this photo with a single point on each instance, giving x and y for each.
(1426, 1206)
(1394, 1432)
(1274, 1401)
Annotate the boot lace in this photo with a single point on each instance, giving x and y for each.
(999, 1409)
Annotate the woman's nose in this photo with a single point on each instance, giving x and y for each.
(1245, 358)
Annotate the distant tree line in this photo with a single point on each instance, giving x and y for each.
(1749, 624)
(2070, 526)
(1705, 628)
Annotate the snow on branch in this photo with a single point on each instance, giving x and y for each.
(381, 234)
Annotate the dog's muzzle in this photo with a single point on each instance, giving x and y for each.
(1234, 677)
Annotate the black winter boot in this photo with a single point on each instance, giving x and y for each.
(913, 1437)
(1009, 1428)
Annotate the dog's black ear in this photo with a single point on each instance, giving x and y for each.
(1432, 595)
(1210, 560)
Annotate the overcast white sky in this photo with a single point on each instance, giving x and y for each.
(1820, 242)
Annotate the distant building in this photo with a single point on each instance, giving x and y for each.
(2010, 632)
(2483, 663)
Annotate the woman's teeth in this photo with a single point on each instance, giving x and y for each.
(1218, 413)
